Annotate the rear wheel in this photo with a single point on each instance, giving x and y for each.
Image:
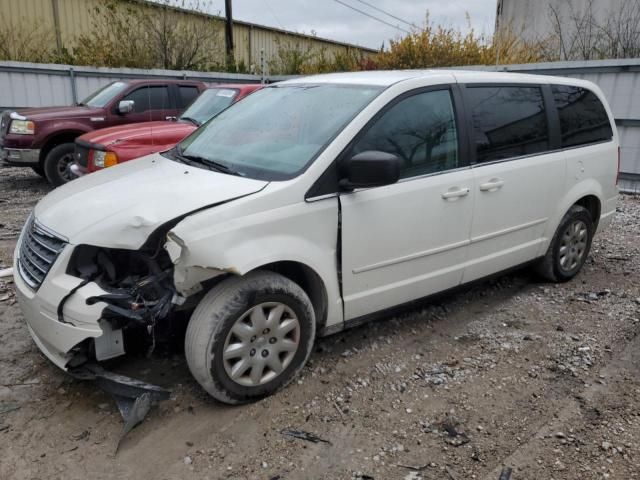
(57, 164)
(570, 246)
(250, 336)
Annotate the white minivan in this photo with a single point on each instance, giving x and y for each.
(316, 204)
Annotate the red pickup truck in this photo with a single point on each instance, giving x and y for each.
(43, 138)
(111, 146)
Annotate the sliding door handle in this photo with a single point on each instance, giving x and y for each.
(492, 185)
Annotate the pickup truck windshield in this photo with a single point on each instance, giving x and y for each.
(210, 103)
(103, 96)
(276, 132)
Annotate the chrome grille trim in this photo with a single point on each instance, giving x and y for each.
(38, 251)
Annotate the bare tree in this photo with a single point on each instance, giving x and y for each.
(580, 32)
(135, 34)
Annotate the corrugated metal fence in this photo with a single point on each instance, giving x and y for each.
(35, 85)
(42, 85)
(620, 82)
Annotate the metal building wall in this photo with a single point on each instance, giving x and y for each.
(75, 17)
(532, 19)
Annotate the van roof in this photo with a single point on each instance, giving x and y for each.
(387, 78)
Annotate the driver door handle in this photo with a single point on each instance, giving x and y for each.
(492, 185)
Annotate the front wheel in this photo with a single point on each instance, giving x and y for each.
(57, 164)
(250, 336)
(569, 247)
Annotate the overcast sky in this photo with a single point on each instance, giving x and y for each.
(330, 19)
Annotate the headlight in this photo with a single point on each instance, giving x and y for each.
(104, 159)
(22, 127)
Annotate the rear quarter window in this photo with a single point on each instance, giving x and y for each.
(583, 118)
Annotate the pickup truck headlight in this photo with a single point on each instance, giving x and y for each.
(22, 127)
(104, 159)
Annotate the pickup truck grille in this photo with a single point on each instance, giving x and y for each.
(38, 251)
(4, 125)
(81, 155)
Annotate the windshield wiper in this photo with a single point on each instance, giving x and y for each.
(211, 164)
(192, 120)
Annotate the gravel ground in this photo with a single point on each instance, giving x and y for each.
(539, 377)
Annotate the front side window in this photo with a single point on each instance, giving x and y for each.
(209, 104)
(274, 133)
(420, 130)
(583, 118)
(149, 98)
(103, 96)
(507, 122)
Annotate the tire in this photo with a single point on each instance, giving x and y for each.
(569, 247)
(39, 170)
(57, 163)
(231, 305)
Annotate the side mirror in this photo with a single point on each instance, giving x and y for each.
(125, 106)
(370, 169)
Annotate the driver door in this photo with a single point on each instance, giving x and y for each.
(408, 240)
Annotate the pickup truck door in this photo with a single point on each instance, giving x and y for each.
(408, 240)
(151, 103)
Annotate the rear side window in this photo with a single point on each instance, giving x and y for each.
(583, 118)
(421, 130)
(186, 95)
(507, 122)
(150, 98)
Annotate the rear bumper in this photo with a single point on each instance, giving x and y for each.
(54, 338)
(20, 157)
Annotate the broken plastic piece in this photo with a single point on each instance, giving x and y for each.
(133, 397)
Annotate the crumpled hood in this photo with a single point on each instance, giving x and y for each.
(121, 206)
(46, 113)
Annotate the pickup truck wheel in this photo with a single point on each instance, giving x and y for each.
(569, 247)
(39, 170)
(57, 164)
(250, 336)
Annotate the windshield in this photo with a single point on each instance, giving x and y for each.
(102, 97)
(210, 103)
(274, 133)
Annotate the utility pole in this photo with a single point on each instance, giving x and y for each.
(228, 34)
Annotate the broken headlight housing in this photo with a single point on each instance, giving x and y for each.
(139, 284)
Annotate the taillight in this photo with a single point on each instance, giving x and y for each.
(618, 172)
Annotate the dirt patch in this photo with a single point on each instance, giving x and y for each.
(540, 377)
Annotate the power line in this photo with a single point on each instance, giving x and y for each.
(387, 13)
(371, 16)
(274, 14)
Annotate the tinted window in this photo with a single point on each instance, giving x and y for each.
(186, 95)
(421, 130)
(507, 122)
(149, 98)
(583, 118)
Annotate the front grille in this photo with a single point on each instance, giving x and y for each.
(4, 124)
(81, 155)
(38, 252)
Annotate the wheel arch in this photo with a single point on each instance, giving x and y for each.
(67, 136)
(309, 280)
